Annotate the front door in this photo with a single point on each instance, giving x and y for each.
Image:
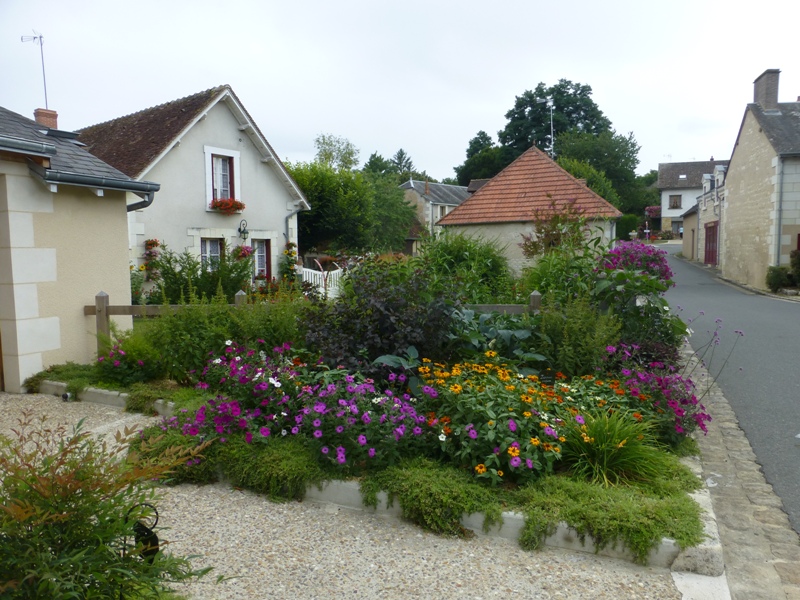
(712, 231)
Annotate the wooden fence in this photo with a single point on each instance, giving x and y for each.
(327, 282)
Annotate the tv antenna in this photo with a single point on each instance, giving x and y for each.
(38, 38)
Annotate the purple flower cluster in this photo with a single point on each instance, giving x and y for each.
(635, 256)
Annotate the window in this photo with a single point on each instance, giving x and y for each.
(675, 201)
(262, 258)
(442, 211)
(210, 249)
(221, 177)
(222, 174)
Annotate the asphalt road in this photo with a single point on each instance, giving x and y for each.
(758, 372)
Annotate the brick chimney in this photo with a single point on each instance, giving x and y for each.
(48, 118)
(765, 89)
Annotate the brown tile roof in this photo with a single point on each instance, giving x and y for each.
(675, 176)
(131, 143)
(531, 185)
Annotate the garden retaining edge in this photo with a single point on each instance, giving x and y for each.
(704, 559)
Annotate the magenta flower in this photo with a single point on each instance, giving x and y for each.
(264, 431)
(371, 452)
(515, 461)
(317, 433)
(512, 425)
(580, 419)
(193, 430)
(362, 439)
(248, 437)
(472, 434)
(324, 450)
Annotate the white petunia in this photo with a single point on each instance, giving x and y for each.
(228, 342)
(442, 437)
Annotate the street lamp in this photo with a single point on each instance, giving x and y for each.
(551, 106)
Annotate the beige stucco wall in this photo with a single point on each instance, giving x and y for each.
(509, 235)
(747, 226)
(180, 216)
(57, 250)
(689, 244)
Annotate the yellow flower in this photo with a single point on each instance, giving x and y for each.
(426, 360)
(510, 388)
(556, 449)
(513, 451)
(622, 443)
(490, 423)
(490, 354)
(480, 469)
(535, 441)
(562, 439)
(499, 473)
(131, 267)
(527, 415)
(455, 388)
(142, 267)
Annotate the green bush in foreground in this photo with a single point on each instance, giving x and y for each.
(67, 507)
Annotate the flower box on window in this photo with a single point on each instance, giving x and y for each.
(227, 206)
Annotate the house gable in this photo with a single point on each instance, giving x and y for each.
(531, 185)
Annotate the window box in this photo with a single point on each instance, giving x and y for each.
(228, 206)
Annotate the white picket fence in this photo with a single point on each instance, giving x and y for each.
(327, 282)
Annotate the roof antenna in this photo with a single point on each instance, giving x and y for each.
(38, 38)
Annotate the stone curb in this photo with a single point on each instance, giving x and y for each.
(705, 559)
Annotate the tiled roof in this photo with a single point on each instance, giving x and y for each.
(438, 193)
(669, 174)
(781, 126)
(69, 156)
(531, 185)
(131, 143)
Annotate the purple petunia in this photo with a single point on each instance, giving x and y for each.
(362, 440)
(515, 461)
(512, 425)
(580, 419)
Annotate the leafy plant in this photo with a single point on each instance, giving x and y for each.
(477, 268)
(131, 359)
(576, 335)
(386, 306)
(67, 507)
(612, 448)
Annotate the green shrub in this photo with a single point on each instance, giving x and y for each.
(182, 277)
(385, 307)
(576, 335)
(626, 224)
(433, 496)
(66, 372)
(778, 277)
(185, 336)
(282, 468)
(272, 321)
(609, 515)
(131, 359)
(476, 267)
(67, 506)
(794, 264)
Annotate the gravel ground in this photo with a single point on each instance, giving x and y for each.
(306, 550)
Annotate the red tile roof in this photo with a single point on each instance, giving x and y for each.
(531, 185)
(131, 143)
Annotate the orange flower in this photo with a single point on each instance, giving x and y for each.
(480, 469)
(513, 451)
(637, 416)
(535, 441)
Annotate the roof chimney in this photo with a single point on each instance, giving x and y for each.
(765, 92)
(46, 117)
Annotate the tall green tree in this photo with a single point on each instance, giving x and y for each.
(392, 215)
(335, 151)
(615, 155)
(529, 119)
(378, 165)
(341, 214)
(595, 180)
(484, 160)
(402, 162)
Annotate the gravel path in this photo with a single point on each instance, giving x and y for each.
(305, 550)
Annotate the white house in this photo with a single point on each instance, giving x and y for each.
(201, 149)
(680, 184)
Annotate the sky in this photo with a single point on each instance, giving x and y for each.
(424, 76)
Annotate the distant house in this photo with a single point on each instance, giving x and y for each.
(504, 208)
(63, 239)
(680, 184)
(760, 219)
(709, 211)
(432, 202)
(203, 149)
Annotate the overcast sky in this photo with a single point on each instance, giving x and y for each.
(424, 76)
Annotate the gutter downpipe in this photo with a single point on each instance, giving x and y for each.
(780, 213)
(286, 221)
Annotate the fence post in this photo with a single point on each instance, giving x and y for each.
(535, 302)
(240, 298)
(101, 320)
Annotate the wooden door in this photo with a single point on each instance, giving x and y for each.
(712, 231)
